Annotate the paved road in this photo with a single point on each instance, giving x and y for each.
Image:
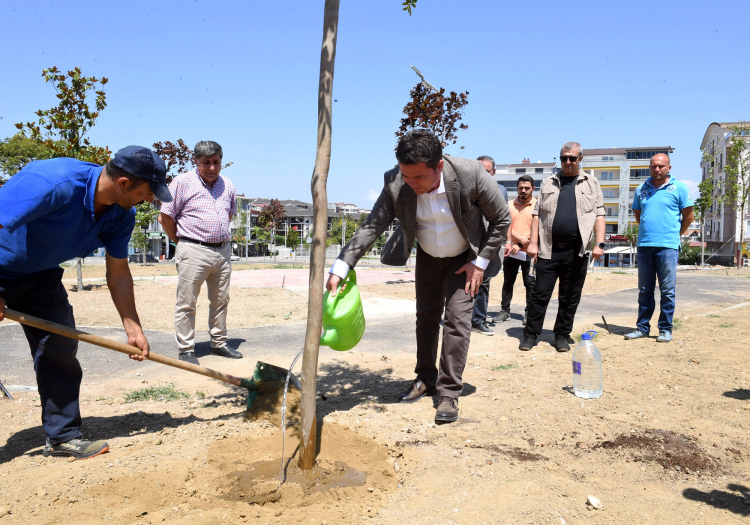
(386, 333)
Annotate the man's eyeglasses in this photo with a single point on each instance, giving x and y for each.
(569, 158)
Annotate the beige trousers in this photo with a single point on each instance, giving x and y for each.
(197, 264)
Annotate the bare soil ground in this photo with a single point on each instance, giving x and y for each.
(155, 302)
(668, 442)
(98, 271)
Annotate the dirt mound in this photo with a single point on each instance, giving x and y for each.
(667, 448)
(268, 405)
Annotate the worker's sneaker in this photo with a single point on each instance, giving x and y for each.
(561, 343)
(527, 343)
(447, 409)
(189, 357)
(76, 448)
(225, 351)
(482, 328)
(664, 337)
(635, 334)
(502, 316)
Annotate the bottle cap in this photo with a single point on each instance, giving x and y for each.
(588, 335)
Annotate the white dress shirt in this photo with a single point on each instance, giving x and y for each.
(437, 232)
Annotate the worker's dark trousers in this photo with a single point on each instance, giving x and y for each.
(570, 268)
(58, 373)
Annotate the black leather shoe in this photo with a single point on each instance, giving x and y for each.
(447, 409)
(482, 328)
(528, 342)
(561, 343)
(417, 389)
(189, 357)
(225, 351)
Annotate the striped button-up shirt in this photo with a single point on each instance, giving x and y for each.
(200, 212)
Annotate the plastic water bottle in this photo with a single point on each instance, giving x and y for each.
(587, 368)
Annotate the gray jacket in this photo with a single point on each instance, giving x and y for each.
(473, 196)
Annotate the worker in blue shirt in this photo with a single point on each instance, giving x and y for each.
(663, 210)
(52, 211)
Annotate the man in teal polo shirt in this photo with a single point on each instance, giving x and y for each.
(663, 210)
(52, 211)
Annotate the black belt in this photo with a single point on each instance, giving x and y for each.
(566, 245)
(209, 244)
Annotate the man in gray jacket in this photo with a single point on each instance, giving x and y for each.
(442, 202)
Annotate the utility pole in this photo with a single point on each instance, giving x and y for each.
(343, 231)
(308, 409)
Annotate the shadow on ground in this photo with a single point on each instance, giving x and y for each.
(733, 501)
(342, 386)
(30, 440)
(741, 393)
(203, 349)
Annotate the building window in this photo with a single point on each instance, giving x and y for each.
(520, 171)
(640, 173)
(537, 184)
(609, 193)
(610, 228)
(608, 158)
(538, 170)
(643, 154)
(608, 175)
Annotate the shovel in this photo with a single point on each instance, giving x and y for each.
(264, 373)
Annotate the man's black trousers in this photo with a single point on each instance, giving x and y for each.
(570, 268)
(58, 372)
(510, 272)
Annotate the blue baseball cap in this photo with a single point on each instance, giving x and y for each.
(144, 163)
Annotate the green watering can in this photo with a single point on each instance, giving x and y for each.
(343, 317)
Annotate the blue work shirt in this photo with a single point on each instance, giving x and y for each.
(661, 212)
(47, 214)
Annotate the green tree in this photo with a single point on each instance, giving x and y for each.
(270, 219)
(292, 239)
(702, 208)
(631, 233)
(688, 254)
(262, 236)
(736, 192)
(63, 128)
(380, 241)
(19, 150)
(334, 235)
(145, 215)
(241, 222)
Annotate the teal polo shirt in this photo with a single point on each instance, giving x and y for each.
(661, 213)
(47, 213)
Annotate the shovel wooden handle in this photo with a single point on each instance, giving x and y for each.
(55, 328)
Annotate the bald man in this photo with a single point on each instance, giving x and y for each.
(663, 210)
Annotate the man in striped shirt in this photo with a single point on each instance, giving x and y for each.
(198, 220)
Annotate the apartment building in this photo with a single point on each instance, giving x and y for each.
(723, 223)
(507, 174)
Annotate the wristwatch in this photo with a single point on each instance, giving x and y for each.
(601, 245)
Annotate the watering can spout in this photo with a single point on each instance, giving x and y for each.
(343, 317)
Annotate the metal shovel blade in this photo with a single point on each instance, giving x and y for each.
(266, 373)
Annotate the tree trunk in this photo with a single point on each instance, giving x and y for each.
(79, 272)
(308, 413)
(703, 244)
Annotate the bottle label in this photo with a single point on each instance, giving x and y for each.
(576, 368)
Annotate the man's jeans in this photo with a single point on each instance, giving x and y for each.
(58, 373)
(652, 263)
(479, 314)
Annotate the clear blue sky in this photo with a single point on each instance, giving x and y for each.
(245, 74)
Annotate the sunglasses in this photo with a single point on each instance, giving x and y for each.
(567, 158)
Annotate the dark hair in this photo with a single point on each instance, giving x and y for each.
(525, 178)
(114, 173)
(419, 145)
(487, 157)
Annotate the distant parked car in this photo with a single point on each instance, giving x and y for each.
(138, 258)
(235, 258)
